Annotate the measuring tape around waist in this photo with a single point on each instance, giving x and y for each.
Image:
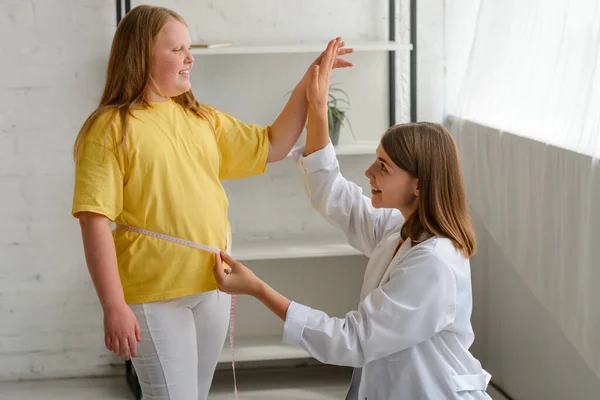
(209, 249)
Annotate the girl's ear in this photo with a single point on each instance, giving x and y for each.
(416, 191)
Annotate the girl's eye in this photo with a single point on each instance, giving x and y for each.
(383, 168)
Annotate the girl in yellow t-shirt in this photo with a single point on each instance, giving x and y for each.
(150, 157)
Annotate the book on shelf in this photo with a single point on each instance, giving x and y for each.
(215, 45)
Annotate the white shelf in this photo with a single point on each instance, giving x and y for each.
(261, 349)
(356, 148)
(366, 147)
(299, 48)
(292, 248)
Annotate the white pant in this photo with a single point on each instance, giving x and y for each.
(181, 343)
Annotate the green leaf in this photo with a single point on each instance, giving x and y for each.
(330, 119)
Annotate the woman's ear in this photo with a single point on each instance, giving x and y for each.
(416, 189)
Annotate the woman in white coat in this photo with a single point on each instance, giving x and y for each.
(410, 336)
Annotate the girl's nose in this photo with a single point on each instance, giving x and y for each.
(189, 57)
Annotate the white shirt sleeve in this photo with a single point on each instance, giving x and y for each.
(342, 202)
(417, 302)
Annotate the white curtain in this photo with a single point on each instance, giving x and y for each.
(534, 70)
(526, 116)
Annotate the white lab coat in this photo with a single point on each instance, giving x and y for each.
(412, 330)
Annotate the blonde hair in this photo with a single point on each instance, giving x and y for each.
(427, 152)
(128, 72)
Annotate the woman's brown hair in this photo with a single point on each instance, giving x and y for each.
(428, 152)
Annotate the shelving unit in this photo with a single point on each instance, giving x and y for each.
(267, 348)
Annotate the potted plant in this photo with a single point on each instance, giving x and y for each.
(335, 114)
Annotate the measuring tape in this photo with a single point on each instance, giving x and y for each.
(209, 249)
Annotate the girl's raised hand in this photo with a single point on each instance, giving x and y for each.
(339, 61)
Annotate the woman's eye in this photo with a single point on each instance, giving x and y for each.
(383, 168)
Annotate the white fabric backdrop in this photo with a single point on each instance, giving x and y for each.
(534, 70)
(527, 122)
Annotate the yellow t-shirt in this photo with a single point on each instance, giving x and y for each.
(170, 184)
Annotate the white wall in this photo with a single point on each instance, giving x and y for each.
(52, 71)
(54, 55)
(518, 340)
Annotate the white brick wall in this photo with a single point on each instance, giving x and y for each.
(52, 71)
(51, 76)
